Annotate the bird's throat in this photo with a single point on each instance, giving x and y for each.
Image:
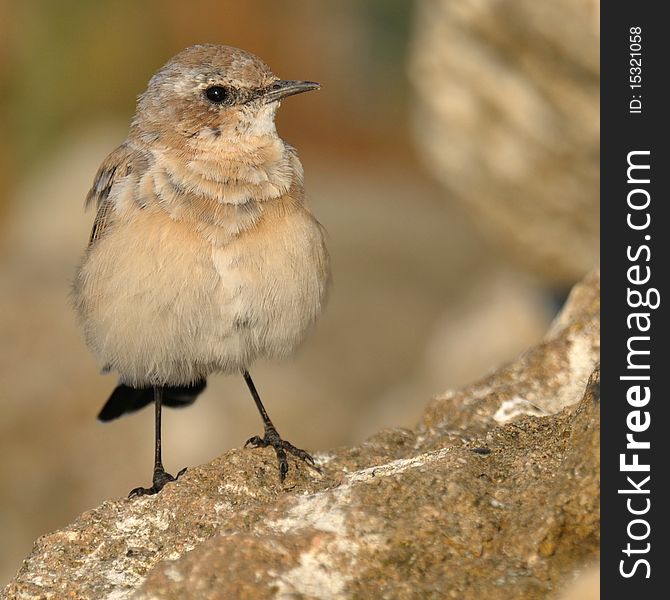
(224, 194)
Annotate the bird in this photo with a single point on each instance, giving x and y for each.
(203, 255)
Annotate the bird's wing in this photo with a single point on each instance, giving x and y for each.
(118, 165)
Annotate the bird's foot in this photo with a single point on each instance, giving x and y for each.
(281, 447)
(161, 477)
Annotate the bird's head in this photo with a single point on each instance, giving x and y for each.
(213, 92)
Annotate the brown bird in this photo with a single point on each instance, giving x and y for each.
(203, 254)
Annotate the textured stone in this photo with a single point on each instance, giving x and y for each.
(472, 503)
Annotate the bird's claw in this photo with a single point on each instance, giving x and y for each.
(272, 438)
(161, 477)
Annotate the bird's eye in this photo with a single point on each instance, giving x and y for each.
(217, 94)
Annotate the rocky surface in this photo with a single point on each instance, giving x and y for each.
(493, 495)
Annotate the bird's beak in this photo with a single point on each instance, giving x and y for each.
(284, 87)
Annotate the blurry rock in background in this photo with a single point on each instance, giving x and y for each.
(585, 587)
(419, 304)
(507, 120)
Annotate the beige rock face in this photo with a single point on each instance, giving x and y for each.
(494, 495)
(507, 120)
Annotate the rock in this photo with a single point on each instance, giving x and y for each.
(506, 118)
(475, 502)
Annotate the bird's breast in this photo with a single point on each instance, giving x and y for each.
(274, 279)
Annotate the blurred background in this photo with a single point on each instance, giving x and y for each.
(452, 155)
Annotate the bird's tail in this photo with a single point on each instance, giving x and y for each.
(127, 399)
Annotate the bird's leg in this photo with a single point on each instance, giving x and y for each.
(161, 477)
(270, 435)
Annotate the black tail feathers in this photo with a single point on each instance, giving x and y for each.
(127, 399)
